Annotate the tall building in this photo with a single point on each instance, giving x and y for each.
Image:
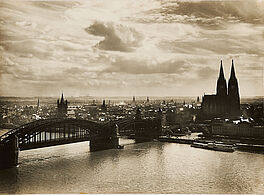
(38, 105)
(198, 99)
(103, 106)
(62, 106)
(133, 101)
(233, 93)
(226, 101)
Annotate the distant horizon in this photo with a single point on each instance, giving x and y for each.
(141, 96)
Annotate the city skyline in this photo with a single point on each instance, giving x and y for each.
(124, 48)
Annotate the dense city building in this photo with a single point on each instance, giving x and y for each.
(226, 101)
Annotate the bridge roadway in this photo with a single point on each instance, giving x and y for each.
(57, 131)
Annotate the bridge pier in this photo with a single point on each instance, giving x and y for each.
(9, 153)
(104, 144)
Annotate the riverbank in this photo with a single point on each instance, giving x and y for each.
(239, 144)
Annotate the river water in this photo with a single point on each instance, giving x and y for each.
(150, 167)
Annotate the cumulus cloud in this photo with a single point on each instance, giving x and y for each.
(151, 46)
(209, 13)
(116, 38)
(147, 66)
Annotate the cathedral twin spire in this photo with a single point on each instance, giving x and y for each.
(232, 82)
(233, 75)
(221, 74)
(221, 89)
(226, 102)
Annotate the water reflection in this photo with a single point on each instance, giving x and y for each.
(9, 180)
(150, 167)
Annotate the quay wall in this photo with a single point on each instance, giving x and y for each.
(239, 131)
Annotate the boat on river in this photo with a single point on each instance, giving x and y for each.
(221, 147)
(199, 145)
(250, 147)
(214, 146)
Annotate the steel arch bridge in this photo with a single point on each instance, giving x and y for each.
(57, 131)
(144, 128)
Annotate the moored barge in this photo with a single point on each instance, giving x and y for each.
(214, 146)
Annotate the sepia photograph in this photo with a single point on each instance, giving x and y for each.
(131, 97)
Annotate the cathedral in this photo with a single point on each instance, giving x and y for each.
(226, 101)
(62, 106)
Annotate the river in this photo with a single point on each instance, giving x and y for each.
(150, 167)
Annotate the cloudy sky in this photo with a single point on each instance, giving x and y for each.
(128, 47)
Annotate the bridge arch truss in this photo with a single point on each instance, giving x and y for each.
(56, 131)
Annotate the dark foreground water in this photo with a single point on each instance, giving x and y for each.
(151, 167)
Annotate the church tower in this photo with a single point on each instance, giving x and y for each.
(103, 106)
(221, 88)
(221, 93)
(62, 106)
(38, 105)
(233, 93)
